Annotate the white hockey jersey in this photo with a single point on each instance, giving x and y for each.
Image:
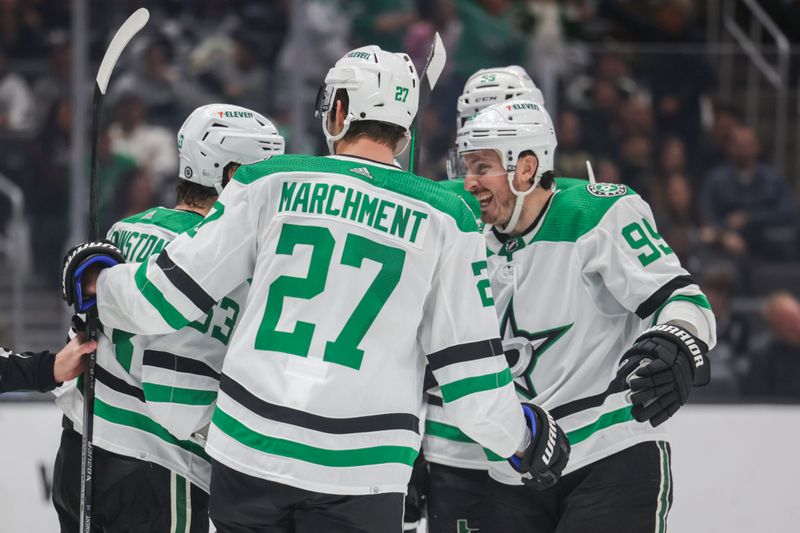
(572, 295)
(361, 274)
(155, 395)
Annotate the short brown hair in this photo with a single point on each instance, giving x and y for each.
(194, 194)
(380, 132)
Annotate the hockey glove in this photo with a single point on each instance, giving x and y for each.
(661, 367)
(95, 254)
(547, 452)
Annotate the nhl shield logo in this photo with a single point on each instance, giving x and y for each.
(607, 189)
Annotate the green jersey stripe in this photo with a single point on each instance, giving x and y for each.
(171, 316)
(446, 431)
(181, 495)
(346, 458)
(608, 419)
(123, 417)
(463, 387)
(169, 219)
(155, 392)
(697, 299)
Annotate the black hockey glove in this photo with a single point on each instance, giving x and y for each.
(661, 367)
(547, 453)
(100, 254)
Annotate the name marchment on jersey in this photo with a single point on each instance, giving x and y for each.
(378, 213)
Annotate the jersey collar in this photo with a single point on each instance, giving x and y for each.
(357, 159)
(506, 245)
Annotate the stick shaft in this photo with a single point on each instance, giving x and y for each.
(87, 450)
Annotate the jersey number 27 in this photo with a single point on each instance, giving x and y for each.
(344, 349)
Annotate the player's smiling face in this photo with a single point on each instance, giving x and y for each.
(487, 181)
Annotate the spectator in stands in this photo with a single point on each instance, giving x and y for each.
(22, 28)
(726, 120)
(152, 147)
(167, 95)
(491, 37)
(571, 156)
(244, 80)
(730, 356)
(607, 171)
(114, 171)
(776, 366)
(600, 120)
(46, 186)
(636, 164)
(678, 218)
(16, 99)
(56, 83)
(672, 158)
(636, 118)
(750, 199)
(382, 22)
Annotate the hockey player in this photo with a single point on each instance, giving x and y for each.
(358, 269)
(42, 371)
(601, 325)
(458, 465)
(155, 394)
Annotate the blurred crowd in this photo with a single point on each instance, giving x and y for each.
(649, 120)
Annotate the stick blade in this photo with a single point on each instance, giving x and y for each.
(124, 34)
(437, 61)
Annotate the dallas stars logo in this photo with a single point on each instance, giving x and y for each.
(540, 342)
(607, 189)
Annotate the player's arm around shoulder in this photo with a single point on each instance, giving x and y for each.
(192, 273)
(459, 334)
(639, 268)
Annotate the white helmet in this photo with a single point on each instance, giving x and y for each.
(218, 134)
(510, 129)
(493, 86)
(381, 86)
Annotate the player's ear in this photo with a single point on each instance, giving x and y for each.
(527, 165)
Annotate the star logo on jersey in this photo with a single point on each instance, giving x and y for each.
(538, 343)
(606, 190)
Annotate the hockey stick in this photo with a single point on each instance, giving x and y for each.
(590, 171)
(430, 75)
(121, 39)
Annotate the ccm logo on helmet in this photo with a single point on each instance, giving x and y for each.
(234, 114)
(485, 99)
(686, 337)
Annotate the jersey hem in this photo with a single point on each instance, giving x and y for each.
(304, 484)
(457, 463)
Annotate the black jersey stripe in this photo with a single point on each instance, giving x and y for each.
(576, 406)
(177, 363)
(649, 306)
(435, 400)
(465, 352)
(184, 283)
(113, 382)
(336, 426)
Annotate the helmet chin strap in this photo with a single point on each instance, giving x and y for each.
(520, 200)
(331, 139)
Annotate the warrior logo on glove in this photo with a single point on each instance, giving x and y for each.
(661, 367)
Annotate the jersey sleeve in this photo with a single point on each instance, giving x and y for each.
(26, 371)
(191, 274)
(641, 271)
(459, 334)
